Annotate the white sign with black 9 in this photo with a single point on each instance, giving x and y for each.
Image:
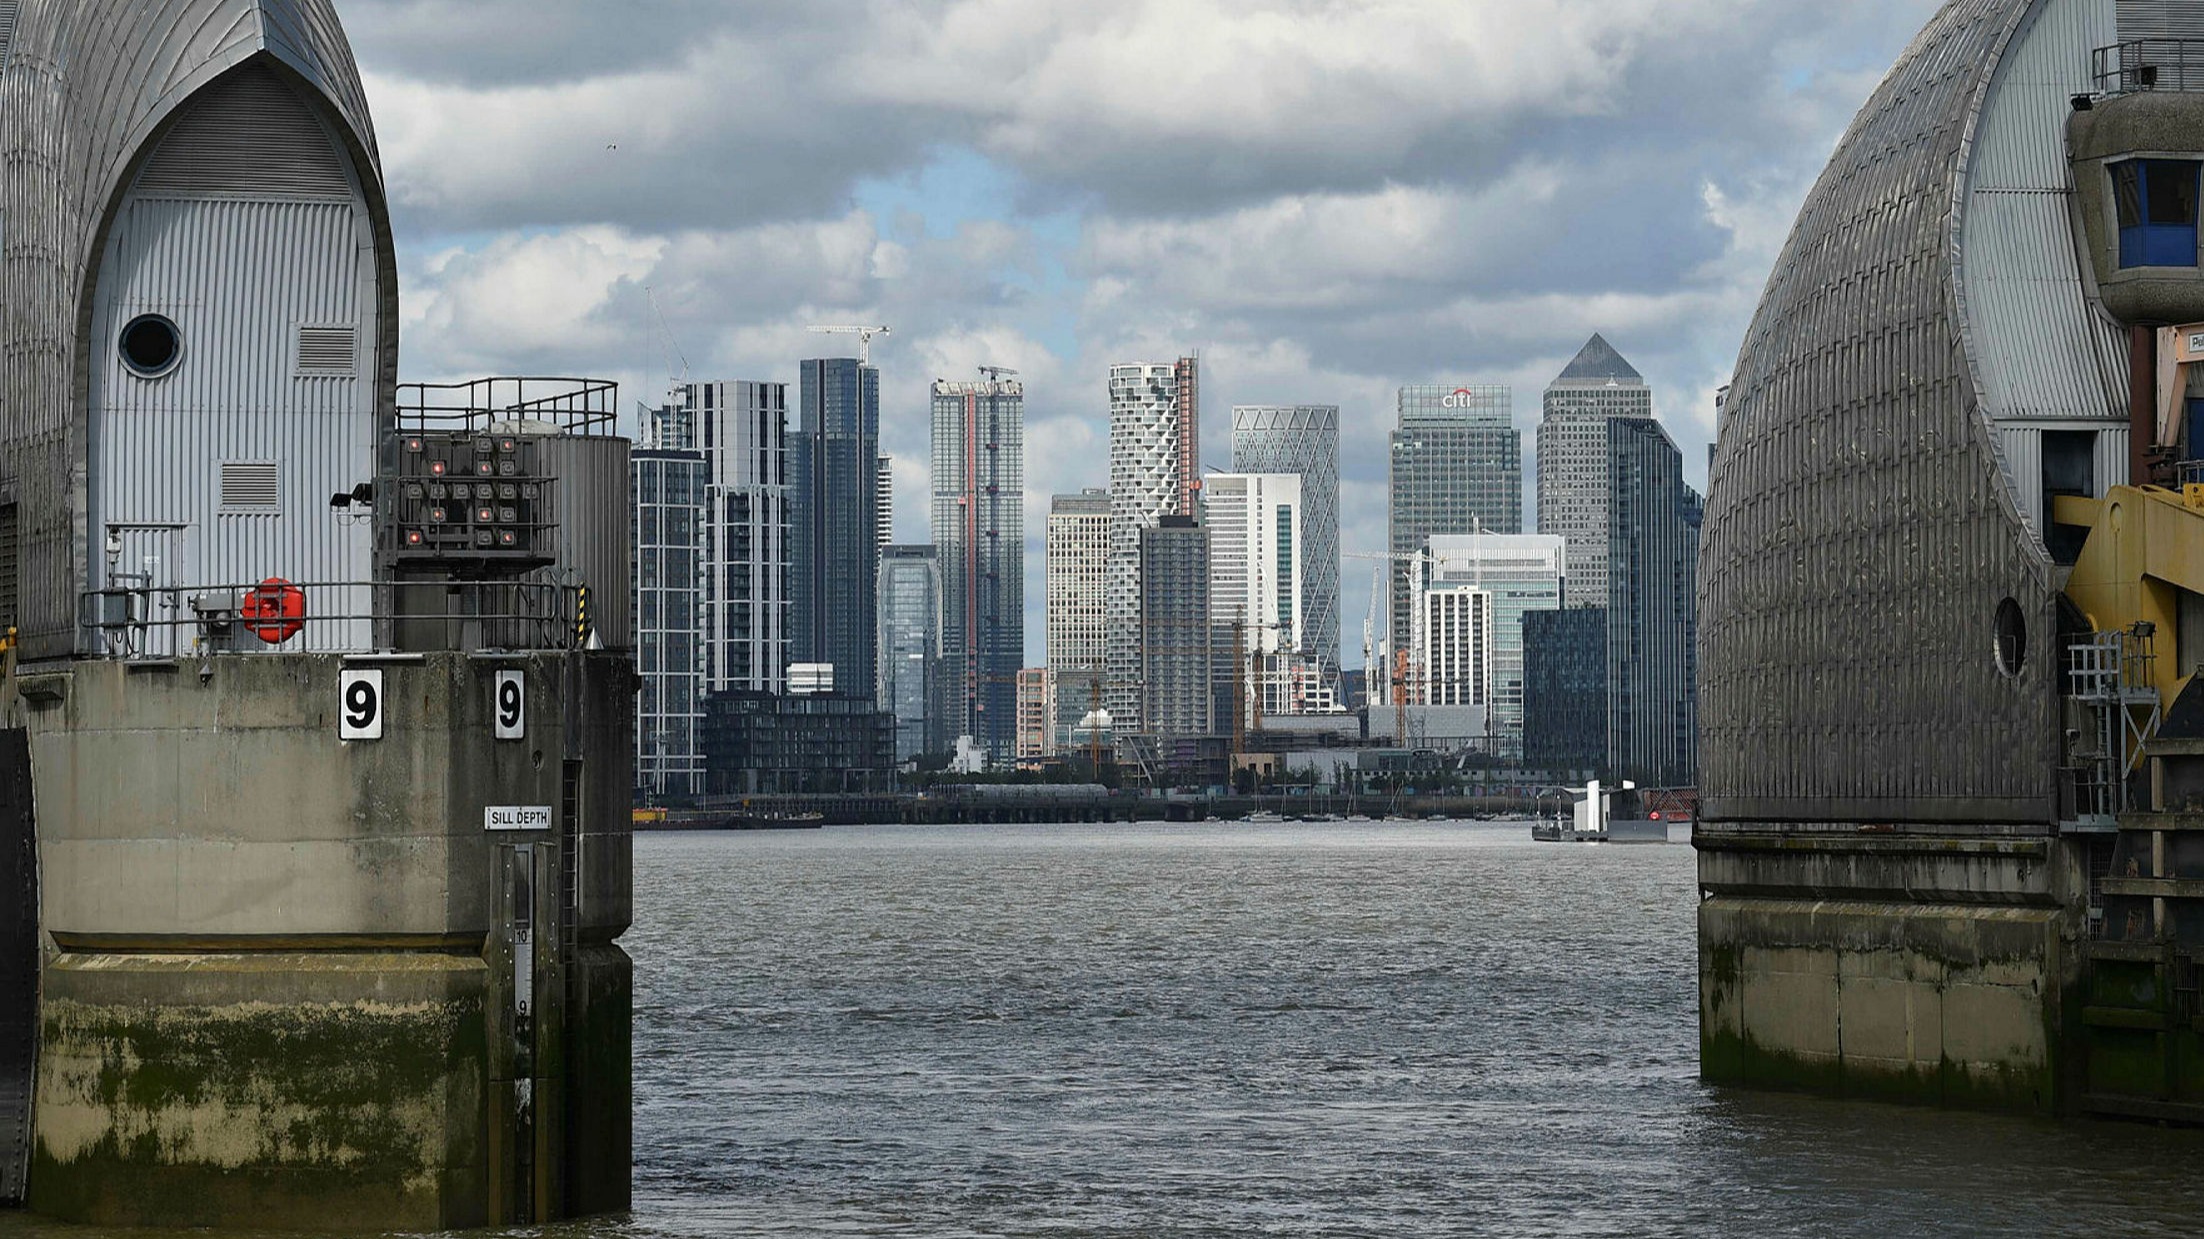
(360, 705)
(509, 705)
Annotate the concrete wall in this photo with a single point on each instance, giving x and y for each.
(279, 982)
(1909, 968)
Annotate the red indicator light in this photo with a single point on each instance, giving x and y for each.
(485, 515)
(436, 515)
(413, 445)
(413, 537)
(506, 538)
(436, 468)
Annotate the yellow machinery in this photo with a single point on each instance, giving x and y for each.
(2146, 545)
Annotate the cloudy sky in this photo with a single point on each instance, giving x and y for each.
(1326, 198)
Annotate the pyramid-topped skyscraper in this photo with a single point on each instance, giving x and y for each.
(1573, 492)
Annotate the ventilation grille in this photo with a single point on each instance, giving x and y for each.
(7, 28)
(10, 578)
(249, 486)
(247, 135)
(2161, 19)
(329, 351)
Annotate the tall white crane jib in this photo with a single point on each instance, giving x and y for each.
(864, 338)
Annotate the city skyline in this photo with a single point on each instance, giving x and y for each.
(1019, 225)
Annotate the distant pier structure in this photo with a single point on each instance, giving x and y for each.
(1952, 590)
(315, 724)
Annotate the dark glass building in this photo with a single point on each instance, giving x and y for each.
(1652, 546)
(767, 743)
(1565, 689)
(834, 546)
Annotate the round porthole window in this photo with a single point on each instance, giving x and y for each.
(151, 345)
(2012, 638)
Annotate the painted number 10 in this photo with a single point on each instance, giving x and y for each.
(360, 705)
(511, 705)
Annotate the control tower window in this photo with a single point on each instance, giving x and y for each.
(2156, 199)
(151, 345)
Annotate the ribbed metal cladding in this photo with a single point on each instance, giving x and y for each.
(234, 276)
(2161, 19)
(1861, 532)
(87, 84)
(246, 135)
(8, 10)
(595, 504)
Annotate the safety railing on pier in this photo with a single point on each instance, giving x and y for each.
(2150, 64)
(566, 406)
(276, 616)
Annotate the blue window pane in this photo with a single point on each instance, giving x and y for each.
(2156, 202)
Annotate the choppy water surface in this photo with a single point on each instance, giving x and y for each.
(1382, 1030)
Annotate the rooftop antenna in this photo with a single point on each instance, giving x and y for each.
(667, 345)
(864, 338)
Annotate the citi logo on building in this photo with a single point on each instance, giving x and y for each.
(1460, 398)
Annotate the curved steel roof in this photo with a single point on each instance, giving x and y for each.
(1859, 532)
(87, 86)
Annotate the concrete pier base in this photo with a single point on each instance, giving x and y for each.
(300, 981)
(1909, 968)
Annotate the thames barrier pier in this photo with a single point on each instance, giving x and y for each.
(315, 727)
(1953, 590)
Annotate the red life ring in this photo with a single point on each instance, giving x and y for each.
(275, 610)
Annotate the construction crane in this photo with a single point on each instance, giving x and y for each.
(993, 374)
(864, 338)
(1247, 681)
(1404, 673)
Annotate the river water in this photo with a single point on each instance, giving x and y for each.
(1386, 1030)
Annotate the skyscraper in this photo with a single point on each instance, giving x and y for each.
(742, 429)
(1077, 603)
(1522, 573)
(1565, 690)
(1456, 468)
(979, 528)
(1155, 433)
(834, 469)
(1256, 571)
(910, 682)
(1652, 540)
(669, 478)
(1572, 458)
(1176, 665)
(1302, 440)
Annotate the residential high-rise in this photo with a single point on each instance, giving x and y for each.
(910, 682)
(1155, 433)
(742, 429)
(834, 472)
(1302, 440)
(1652, 541)
(1256, 581)
(979, 528)
(1256, 557)
(1176, 665)
(1078, 576)
(1036, 712)
(1522, 573)
(1456, 467)
(1454, 647)
(669, 477)
(1572, 458)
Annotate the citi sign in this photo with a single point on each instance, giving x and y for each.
(1460, 398)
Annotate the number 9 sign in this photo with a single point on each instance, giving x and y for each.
(509, 708)
(360, 705)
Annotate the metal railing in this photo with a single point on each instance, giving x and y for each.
(328, 617)
(2110, 677)
(2150, 64)
(569, 406)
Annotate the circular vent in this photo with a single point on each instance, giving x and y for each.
(151, 345)
(2012, 638)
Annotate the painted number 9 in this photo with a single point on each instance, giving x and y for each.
(510, 714)
(360, 705)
